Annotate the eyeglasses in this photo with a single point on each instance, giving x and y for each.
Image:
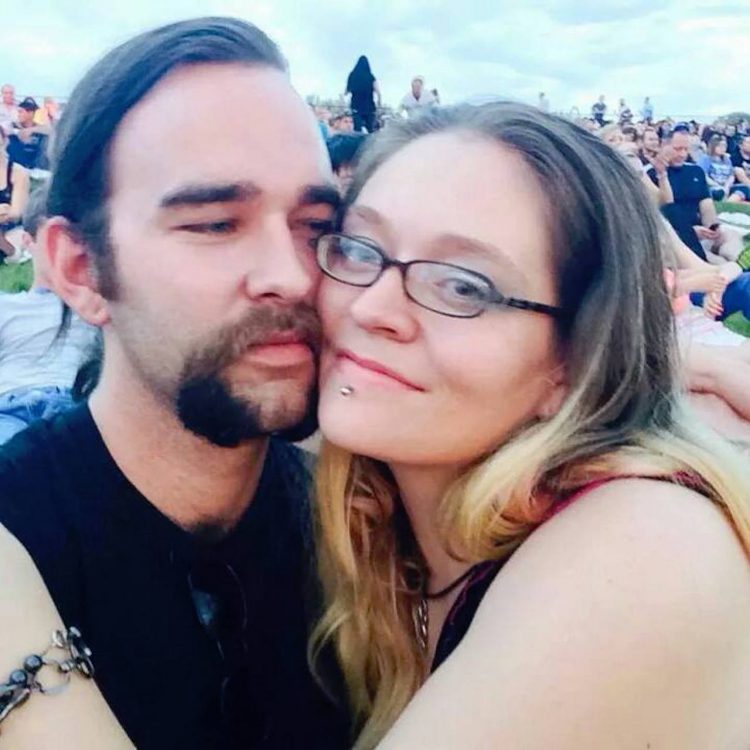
(444, 288)
(221, 606)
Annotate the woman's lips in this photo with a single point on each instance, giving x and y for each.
(357, 367)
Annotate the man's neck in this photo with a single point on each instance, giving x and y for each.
(189, 480)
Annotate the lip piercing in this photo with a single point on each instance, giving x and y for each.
(346, 391)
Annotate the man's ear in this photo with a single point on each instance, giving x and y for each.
(72, 274)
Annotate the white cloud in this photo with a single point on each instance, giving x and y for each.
(689, 55)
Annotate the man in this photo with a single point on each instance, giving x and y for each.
(624, 113)
(741, 161)
(7, 108)
(543, 102)
(647, 111)
(417, 98)
(693, 216)
(28, 144)
(37, 369)
(599, 110)
(165, 521)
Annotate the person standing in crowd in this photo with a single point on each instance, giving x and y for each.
(162, 517)
(48, 114)
(647, 111)
(526, 541)
(720, 172)
(8, 108)
(417, 99)
(37, 365)
(624, 113)
(364, 90)
(599, 110)
(14, 194)
(543, 102)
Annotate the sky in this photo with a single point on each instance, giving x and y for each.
(690, 56)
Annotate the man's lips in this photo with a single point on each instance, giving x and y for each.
(281, 349)
(376, 367)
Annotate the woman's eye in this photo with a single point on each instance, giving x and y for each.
(463, 288)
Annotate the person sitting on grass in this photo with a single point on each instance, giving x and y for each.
(38, 363)
(720, 172)
(14, 192)
(342, 150)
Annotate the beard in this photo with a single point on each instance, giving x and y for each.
(208, 405)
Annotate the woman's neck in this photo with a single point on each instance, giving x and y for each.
(422, 488)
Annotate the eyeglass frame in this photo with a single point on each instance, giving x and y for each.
(497, 299)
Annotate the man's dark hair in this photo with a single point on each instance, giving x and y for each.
(80, 161)
(35, 213)
(343, 149)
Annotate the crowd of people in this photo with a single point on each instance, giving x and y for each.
(498, 319)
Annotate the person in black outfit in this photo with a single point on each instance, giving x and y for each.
(364, 90)
(166, 517)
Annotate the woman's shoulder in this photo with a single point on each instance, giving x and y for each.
(621, 621)
(647, 547)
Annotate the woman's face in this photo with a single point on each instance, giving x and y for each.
(721, 148)
(651, 140)
(430, 389)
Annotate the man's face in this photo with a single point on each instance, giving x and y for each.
(416, 87)
(25, 117)
(680, 148)
(347, 124)
(745, 146)
(9, 94)
(212, 239)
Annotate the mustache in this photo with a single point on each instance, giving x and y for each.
(256, 327)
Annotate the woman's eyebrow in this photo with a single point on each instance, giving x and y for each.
(451, 243)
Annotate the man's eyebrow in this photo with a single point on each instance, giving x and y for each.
(200, 194)
(313, 195)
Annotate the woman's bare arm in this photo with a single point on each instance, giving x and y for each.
(621, 623)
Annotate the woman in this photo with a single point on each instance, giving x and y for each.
(14, 194)
(511, 496)
(364, 89)
(720, 171)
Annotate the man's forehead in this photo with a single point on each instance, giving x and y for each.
(220, 124)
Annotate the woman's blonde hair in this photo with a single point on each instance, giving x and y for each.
(623, 415)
